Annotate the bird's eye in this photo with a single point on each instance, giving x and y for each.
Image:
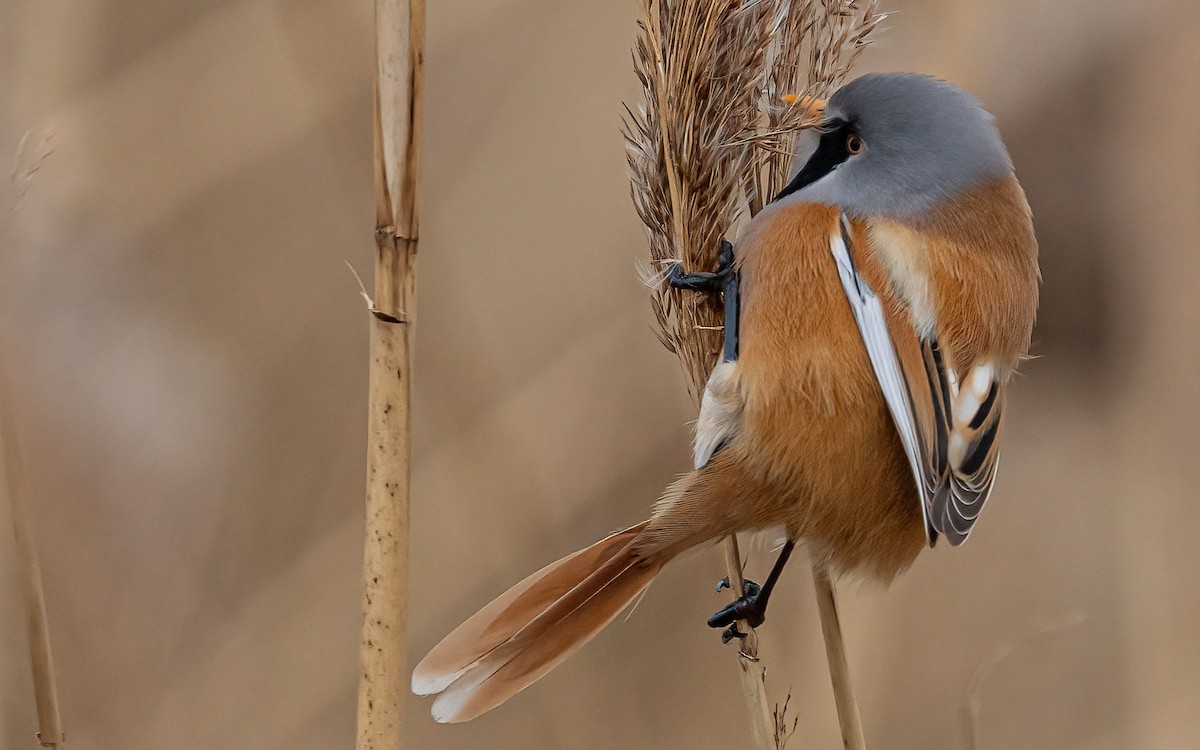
(855, 145)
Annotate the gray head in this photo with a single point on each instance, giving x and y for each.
(896, 144)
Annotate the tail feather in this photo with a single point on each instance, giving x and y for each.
(504, 617)
(549, 639)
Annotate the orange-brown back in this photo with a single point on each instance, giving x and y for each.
(980, 254)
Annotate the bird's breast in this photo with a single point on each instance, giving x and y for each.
(804, 371)
(815, 426)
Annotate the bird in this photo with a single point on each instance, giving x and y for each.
(886, 297)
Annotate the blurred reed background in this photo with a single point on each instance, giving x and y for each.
(189, 358)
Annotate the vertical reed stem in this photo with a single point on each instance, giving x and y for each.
(753, 672)
(45, 689)
(399, 95)
(839, 669)
(50, 730)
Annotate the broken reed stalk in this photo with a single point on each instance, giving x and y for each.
(398, 112)
(45, 689)
(711, 138)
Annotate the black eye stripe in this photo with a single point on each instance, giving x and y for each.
(831, 152)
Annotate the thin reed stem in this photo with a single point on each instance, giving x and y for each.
(45, 688)
(839, 669)
(753, 671)
(700, 62)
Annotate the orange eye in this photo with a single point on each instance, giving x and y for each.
(855, 145)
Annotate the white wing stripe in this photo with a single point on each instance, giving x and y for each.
(872, 325)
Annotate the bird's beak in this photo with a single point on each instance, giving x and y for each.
(830, 151)
(812, 108)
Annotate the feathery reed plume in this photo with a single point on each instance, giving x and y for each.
(399, 105)
(700, 63)
(50, 729)
(711, 138)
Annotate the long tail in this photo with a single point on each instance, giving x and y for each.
(532, 627)
(529, 629)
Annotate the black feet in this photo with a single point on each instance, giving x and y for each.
(723, 282)
(751, 607)
(704, 281)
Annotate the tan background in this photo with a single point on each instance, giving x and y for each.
(189, 355)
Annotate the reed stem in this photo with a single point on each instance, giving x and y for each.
(753, 672)
(398, 111)
(45, 689)
(31, 153)
(839, 669)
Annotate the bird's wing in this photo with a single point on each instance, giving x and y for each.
(919, 446)
(720, 413)
(972, 451)
(947, 424)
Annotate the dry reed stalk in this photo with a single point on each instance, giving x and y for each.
(711, 138)
(399, 98)
(50, 729)
(839, 669)
(765, 722)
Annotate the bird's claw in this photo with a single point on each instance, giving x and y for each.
(749, 588)
(731, 632)
(704, 281)
(748, 607)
